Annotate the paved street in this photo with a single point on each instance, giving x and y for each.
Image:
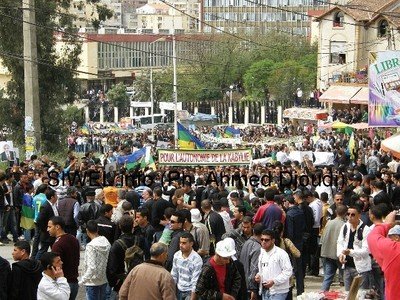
(312, 284)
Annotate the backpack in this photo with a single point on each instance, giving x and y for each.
(359, 231)
(134, 255)
(196, 245)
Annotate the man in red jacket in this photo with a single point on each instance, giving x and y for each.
(383, 242)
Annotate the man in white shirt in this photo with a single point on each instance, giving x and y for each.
(186, 267)
(53, 284)
(274, 269)
(282, 155)
(316, 206)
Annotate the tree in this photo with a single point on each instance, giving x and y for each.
(56, 68)
(118, 96)
(256, 79)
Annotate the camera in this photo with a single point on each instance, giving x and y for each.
(397, 217)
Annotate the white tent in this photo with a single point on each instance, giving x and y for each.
(392, 144)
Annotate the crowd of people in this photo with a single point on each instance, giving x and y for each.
(145, 234)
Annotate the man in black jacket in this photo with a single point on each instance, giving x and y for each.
(18, 194)
(106, 227)
(25, 275)
(295, 224)
(214, 223)
(209, 282)
(157, 212)
(144, 230)
(309, 222)
(5, 277)
(115, 265)
(177, 220)
(47, 211)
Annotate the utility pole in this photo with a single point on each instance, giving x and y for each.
(31, 80)
(175, 90)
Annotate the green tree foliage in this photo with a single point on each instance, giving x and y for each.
(256, 78)
(57, 83)
(118, 96)
(226, 61)
(290, 63)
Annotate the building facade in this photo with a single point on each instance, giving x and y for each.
(246, 16)
(159, 18)
(348, 36)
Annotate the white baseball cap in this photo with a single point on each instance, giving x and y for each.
(225, 249)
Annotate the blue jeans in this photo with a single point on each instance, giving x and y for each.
(330, 268)
(12, 223)
(350, 273)
(27, 235)
(44, 246)
(267, 296)
(74, 287)
(183, 295)
(97, 292)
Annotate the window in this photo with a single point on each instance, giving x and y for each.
(338, 19)
(383, 28)
(337, 52)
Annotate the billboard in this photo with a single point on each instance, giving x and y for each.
(384, 89)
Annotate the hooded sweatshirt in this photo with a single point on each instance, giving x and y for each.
(25, 278)
(5, 272)
(95, 262)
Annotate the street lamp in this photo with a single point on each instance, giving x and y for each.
(230, 110)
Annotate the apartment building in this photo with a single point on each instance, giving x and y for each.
(160, 18)
(246, 16)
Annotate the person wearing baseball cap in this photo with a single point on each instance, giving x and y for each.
(394, 233)
(383, 244)
(219, 278)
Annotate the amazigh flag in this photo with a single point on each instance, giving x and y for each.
(351, 146)
(231, 132)
(215, 133)
(85, 129)
(132, 160)
(150, 163)
(27, 212)
(147, 160)
(186, 140)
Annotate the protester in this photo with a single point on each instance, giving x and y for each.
(352, 249)
(5, 277)
(95, 263)
(329, 246)
(26, 273)
(140, 283)
(383, 241)
(249, 258)
(274, 269)
(53, 284)
(219, 277)
(186, 267)
(47, 211)
(67, 247)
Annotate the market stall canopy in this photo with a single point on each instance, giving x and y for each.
(340, 94)
(302, 113)
(392, 144)
(362, 96)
